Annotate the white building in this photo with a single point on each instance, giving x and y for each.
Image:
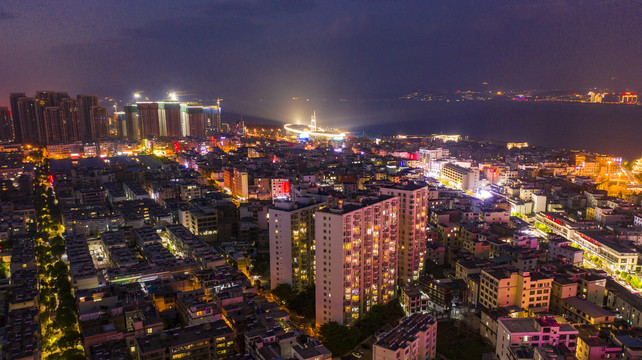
(460, 177)
(356, 258)
(280, 188)
(539, 203)
(427, 155)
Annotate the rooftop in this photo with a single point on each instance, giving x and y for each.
(187, 335)
(587, 307)
(406, 331)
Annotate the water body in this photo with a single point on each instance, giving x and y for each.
(604, 128)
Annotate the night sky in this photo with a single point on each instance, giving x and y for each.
(260, 49)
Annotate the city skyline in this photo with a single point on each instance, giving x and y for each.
(393, 180)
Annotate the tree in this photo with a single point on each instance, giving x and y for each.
(337, 338)
(284, 292)
(47, 298)
(304, 303)
(373, 320)
(71, 338)
(65, 318)
(4, 269)
(73, 354)
(60, 270)
(58, 246)
(261, 265)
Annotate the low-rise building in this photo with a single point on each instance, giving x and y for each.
(533, 331)
(414, 338)
(583, 311)
(206, 341)
(592, 346)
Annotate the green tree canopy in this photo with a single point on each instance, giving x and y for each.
(337, 338)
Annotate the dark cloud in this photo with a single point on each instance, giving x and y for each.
(261, 8)
(6, 15)
(251, 49)
(179, 32)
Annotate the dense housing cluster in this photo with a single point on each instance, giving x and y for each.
(256, 243)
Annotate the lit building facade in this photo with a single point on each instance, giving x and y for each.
(615, 255)
(499, 288)
(534, 332)
(460, 177)
(85, 103)
(413, 217)
(356, 258)
(148, 117)
(192, 123)
(99, 118)
(292, 230)
(55, 130)
(280, 188)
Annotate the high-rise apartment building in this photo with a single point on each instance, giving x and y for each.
(236, 182)
(71, 119)
(292, 243)
(413, 217)
(121, 124)
(99, 122)
(241, 187)
(44, 99)
(54, 127)
(212, 118)
(192, 120)
(6, 125)
(172, 116)
(356, 258)
(15, 115)
(148, 118)
(85, 103)
(131, 128)
(28, 120)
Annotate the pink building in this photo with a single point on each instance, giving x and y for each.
(505, 287)
(534, 332)
(356, 258)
